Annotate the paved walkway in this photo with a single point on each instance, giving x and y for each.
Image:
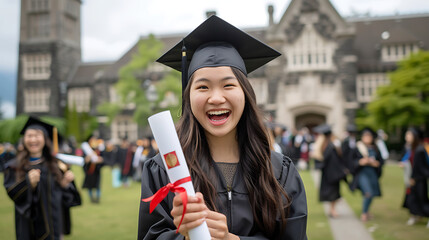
(346, 226)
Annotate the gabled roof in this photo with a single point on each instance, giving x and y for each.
(88, 73)
(398, 34)
(297, 8)
(401, 29)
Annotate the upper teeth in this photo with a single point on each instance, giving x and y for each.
(218, 112)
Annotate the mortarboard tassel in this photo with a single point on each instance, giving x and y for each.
(184, 68)
(55, 139)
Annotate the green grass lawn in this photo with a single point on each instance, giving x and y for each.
(389, 217)
(116, 217)
(317, 224)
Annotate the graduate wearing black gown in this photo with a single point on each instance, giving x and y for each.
(333, 168)
(244, 190)
(416, 199)
(159, 224)
(92, 171)
(348, 146)
(41, 210)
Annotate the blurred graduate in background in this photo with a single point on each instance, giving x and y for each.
(416, 197)
(367, 168)
(40, 185)
(92, 168)
(327, 151)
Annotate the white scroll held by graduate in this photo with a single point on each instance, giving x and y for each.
(70, 159)
(89, 152)
(165, 135)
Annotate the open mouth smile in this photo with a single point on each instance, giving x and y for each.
(218, 117)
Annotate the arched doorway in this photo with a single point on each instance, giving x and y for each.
(310, 115)
(309, 120)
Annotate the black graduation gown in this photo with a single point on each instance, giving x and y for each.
(4, 158)
(92, 174)
(39, 213)
(417, 200)
(333, 171)
(159, 224)
(124, 157)
(348, 152)
(109, 158)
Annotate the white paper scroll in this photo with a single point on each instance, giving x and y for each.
(169, 146)
(137, 156)
(89, 152)
(70, 159)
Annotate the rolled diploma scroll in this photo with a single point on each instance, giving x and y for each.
(70, 159)
(166, 137)
(88, 151)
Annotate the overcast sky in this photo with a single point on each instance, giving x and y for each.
(111, 27)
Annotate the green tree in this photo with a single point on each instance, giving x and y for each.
(11, 128)
(405, 101)
(79, 125)
(1, 110)
(133, 89)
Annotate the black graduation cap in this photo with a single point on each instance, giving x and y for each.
(217, 43)
(323, 129)
(35, 123)
(351, 128)
(49, 130)
(417, 132)
(369, 130)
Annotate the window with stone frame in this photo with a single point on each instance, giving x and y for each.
(39, 25)
(124, 126)
(72, 8)
(71, 27)
(367, 84)
(36, 100)
(38, 5)
(79, 98)
(310, 52)
(398, 51)
(36, 66)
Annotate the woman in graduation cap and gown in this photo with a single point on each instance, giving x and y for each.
(244, 190)
(40, 185)
(332, 165)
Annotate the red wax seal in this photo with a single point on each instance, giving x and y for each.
(171, 159)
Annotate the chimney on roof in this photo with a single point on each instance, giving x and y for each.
(210, 13)
(270, 14)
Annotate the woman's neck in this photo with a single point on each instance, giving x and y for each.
(224, 149)
(35, 155)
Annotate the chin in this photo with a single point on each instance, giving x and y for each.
(219, 133)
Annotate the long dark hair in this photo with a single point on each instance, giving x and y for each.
(417, 137)
(255, 160)
(23, 160)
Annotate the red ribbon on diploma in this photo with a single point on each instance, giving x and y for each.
(163, 192)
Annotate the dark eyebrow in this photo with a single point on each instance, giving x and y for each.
(207, 80)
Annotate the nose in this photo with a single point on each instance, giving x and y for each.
(217, 97)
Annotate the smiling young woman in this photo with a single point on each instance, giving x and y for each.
(245, 191)
(34, 142)
(217, 100)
